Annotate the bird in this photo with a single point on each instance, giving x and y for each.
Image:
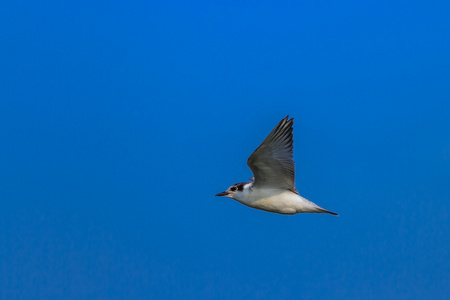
(272, 187)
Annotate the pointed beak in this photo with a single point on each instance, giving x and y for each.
(222, 194)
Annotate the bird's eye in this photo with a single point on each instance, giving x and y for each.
(233, 188)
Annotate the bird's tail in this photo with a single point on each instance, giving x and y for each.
(324, 211)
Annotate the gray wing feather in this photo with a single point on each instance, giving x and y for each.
(272, 162)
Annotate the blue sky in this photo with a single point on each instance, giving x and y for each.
(119, 122)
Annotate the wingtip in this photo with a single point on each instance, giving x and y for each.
(287, 120)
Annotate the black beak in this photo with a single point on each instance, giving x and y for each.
(222, 194)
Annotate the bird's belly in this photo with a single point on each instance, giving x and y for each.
(282, 203)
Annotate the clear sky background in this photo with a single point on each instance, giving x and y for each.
(120, 121)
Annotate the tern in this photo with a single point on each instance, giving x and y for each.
(272, 188)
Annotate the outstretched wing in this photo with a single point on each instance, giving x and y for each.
(272, 162)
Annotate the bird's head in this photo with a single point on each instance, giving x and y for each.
(237, 191)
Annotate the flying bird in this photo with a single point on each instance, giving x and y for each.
(273, 186)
